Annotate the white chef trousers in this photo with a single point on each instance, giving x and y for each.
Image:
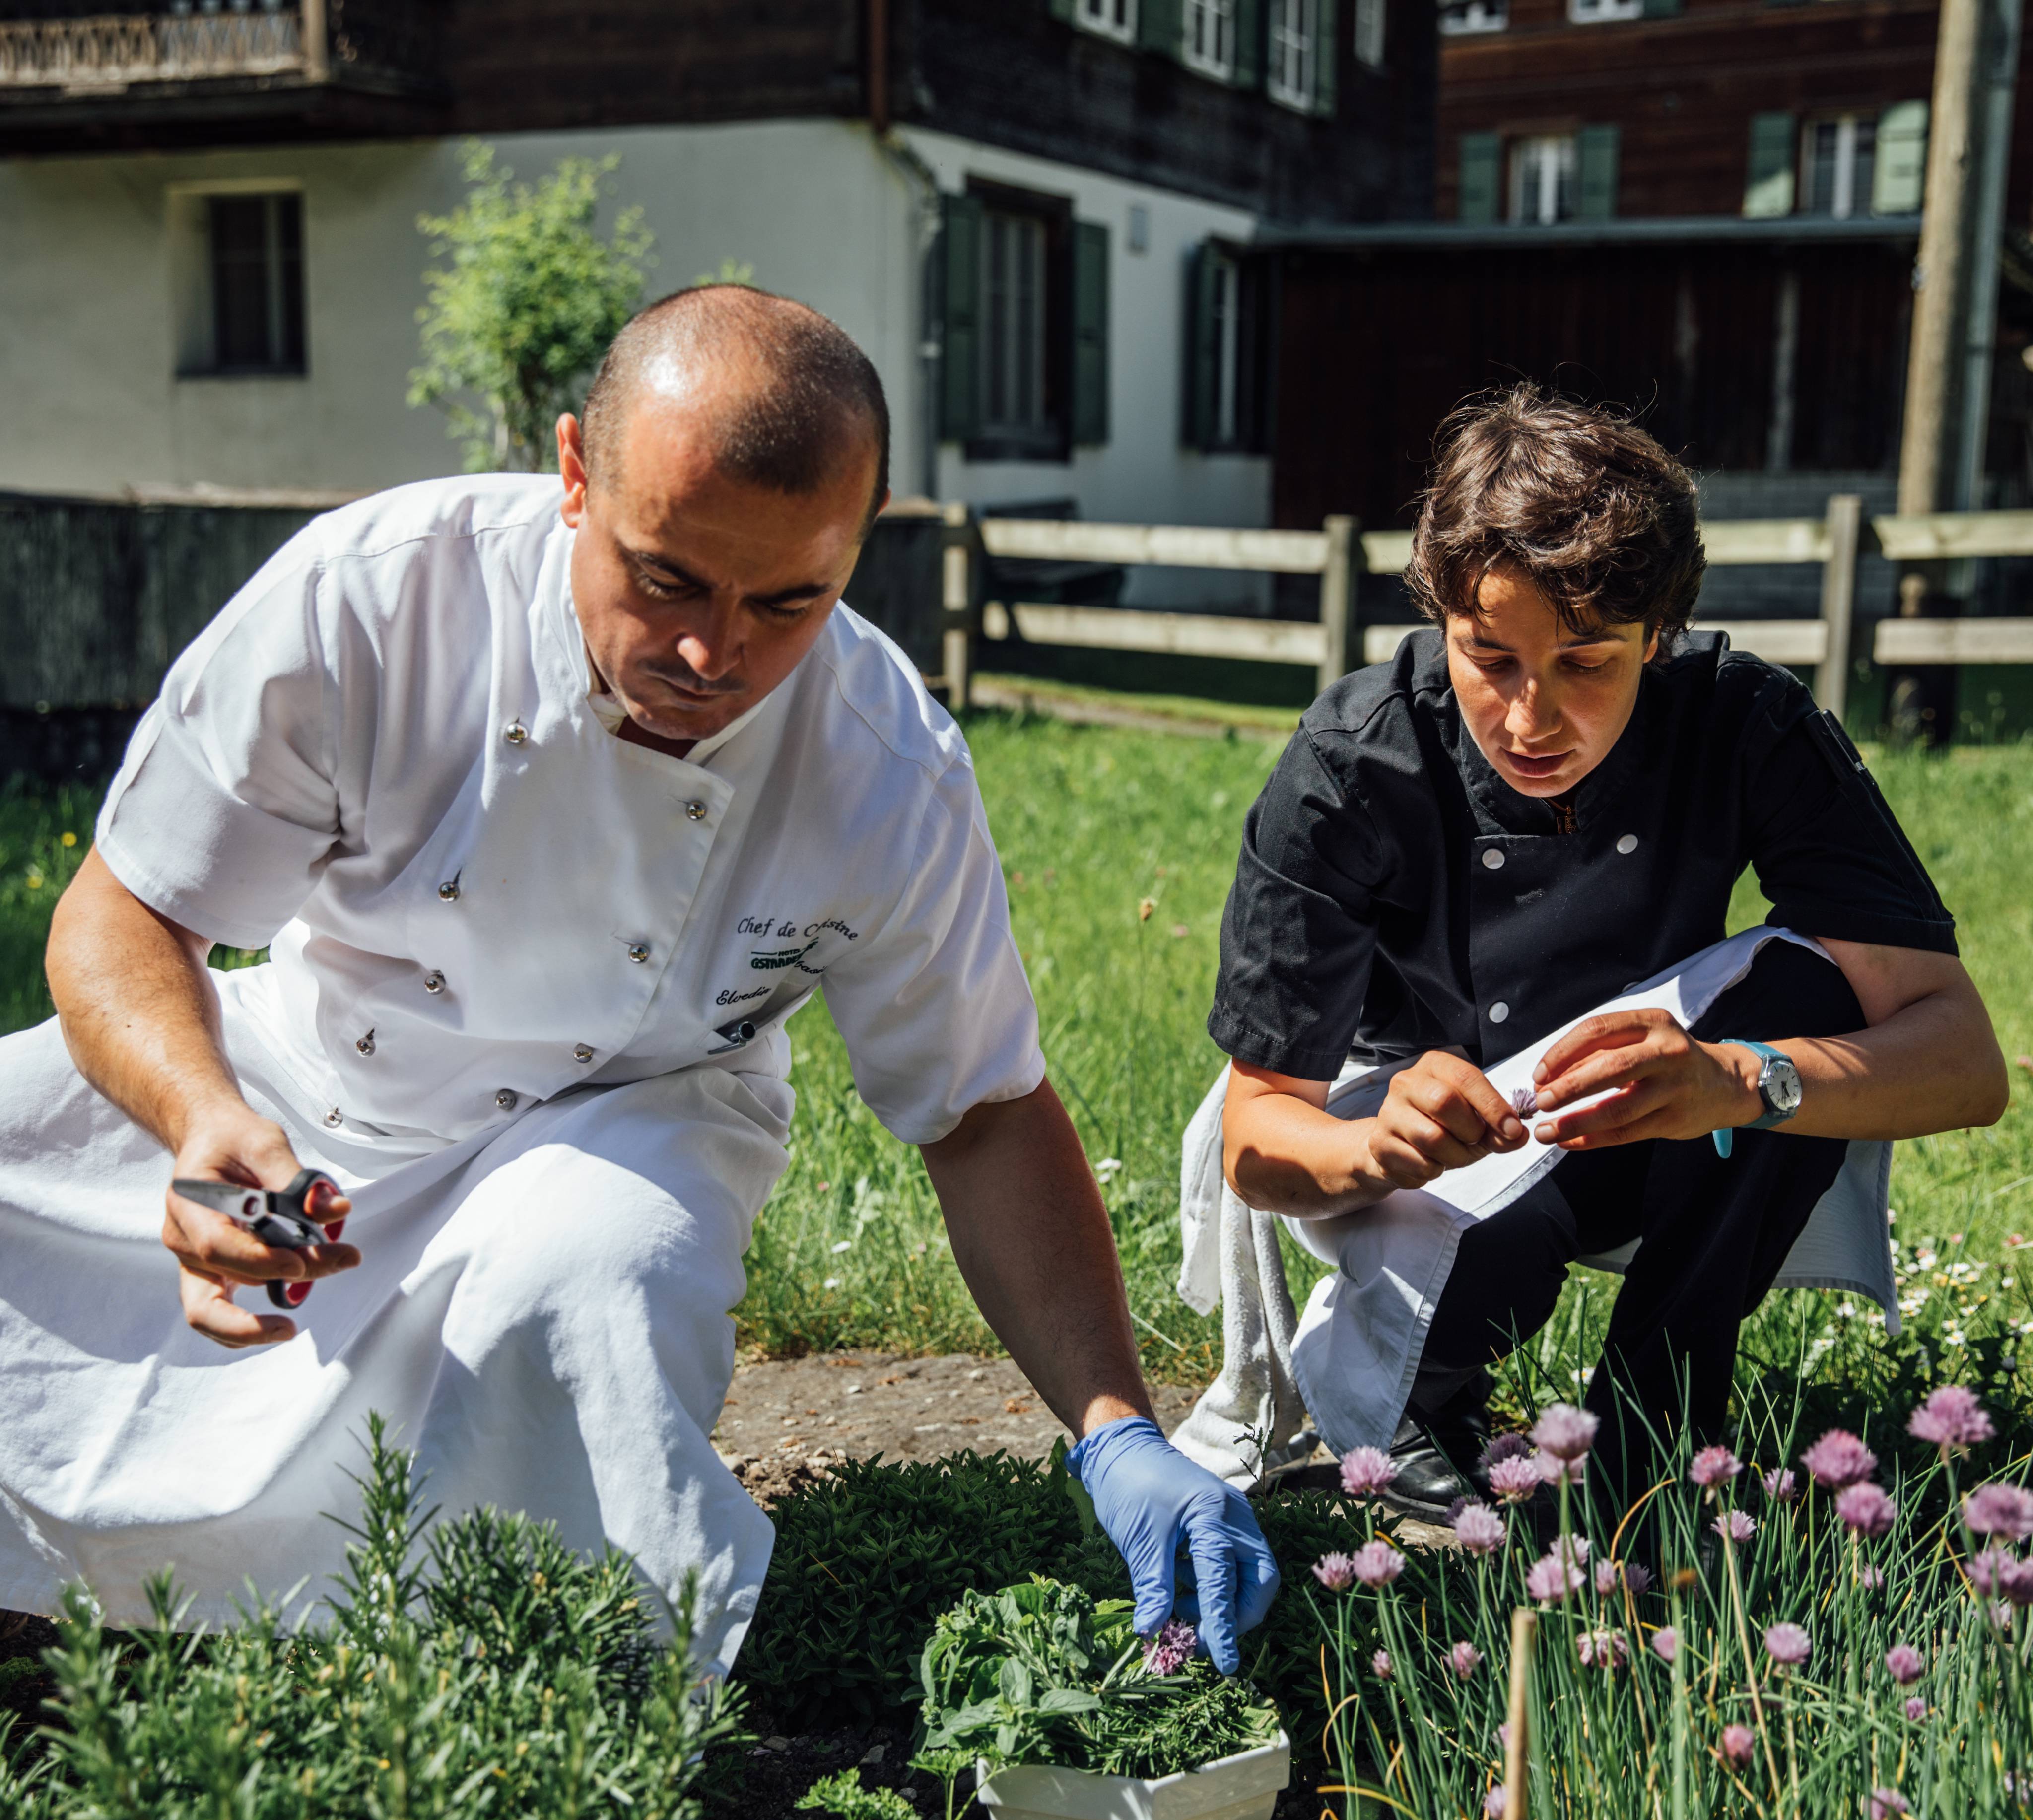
(542, 1313)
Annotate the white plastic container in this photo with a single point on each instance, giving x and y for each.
(1244, 1787)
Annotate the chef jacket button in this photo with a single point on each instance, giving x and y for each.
(696, 811)
(508, 1099)
(449, 891)
(434, 981)
(515, 733)
(1499, 1012)
(365, 1045)
(1627, 845)
(334, 1117)
(1492, 857)
(639, 951)
(583, 1053)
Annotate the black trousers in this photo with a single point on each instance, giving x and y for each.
(1715, 1232)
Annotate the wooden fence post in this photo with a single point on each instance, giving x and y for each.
(1337, 598)
(1845, 529)
(956, 598)
(1517, 1745)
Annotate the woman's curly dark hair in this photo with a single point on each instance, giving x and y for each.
(1578, 499)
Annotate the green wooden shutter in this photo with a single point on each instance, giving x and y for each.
(1481, 170)
(1161, 25)
(959, 363)
(1090, 399)
(1062, 10)
(1596, 150)
(1203, 350)
(1327, 59)
(1663, 9)
(1899, 180)
(1249, 43)
(1768, 189)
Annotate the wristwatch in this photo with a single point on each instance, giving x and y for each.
(1778, 1087)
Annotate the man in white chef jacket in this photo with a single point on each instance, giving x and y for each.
(551, 803)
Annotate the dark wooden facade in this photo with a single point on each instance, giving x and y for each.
(1376, 344)
(1683, 90)
(1000, 72)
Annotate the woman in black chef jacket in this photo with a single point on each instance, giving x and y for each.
(1546, 797)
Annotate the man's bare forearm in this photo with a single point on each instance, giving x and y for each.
(135, 999)
(1032, 1239)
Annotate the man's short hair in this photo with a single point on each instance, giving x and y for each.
(1574, 497)
(817, 390)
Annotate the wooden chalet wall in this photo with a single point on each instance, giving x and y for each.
(1682, 91)
(1377, 346)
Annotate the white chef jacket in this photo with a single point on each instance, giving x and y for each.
(516, 961)
(381, 761)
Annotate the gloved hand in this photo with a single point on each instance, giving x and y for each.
(1150, 1499)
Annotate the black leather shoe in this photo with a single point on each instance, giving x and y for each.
(1438, 1455)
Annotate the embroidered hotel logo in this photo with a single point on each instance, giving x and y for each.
(770, 961)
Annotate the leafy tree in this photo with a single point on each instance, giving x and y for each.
(531, 299)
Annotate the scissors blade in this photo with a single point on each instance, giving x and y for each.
(243, 1203)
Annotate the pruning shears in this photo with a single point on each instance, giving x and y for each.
(284, 1218)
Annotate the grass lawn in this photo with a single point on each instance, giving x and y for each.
(1094, 823)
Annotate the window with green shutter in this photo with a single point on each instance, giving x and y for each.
(1900, 180)
(1595, 154)
(1768, 187)
(1481, 176)
(1161, 25)
(1090, 334)
(959, 340)
(1249, 43)
(1226, 398)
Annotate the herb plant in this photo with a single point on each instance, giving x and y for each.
(1045, 1673)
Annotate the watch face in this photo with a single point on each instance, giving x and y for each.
(1779, 1085)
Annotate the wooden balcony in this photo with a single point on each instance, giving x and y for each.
(117, 50)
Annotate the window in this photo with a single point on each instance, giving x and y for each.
(1012, 327)
(1594, 11)
(1208, 44)
(1115, 19)
(1458, 17)
(1369, 18)
(1227, 342)
(1292, 75)
(1838, 159)
(1542, 179)
(237, 275)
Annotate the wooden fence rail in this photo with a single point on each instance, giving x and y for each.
(1340, 553)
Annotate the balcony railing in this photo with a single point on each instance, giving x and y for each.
(117, 50)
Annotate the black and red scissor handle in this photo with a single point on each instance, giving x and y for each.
(285, 1218)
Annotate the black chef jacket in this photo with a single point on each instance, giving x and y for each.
(1395, 895)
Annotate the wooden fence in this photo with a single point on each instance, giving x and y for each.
(1340, 554)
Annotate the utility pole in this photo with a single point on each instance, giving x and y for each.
(1955, 284)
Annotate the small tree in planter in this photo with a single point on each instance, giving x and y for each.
(1062, 1710)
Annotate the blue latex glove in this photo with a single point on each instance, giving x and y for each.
(1153, 1501)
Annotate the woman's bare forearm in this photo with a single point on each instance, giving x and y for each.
(139, 1015)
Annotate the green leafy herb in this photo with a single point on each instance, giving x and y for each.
(844, 1795)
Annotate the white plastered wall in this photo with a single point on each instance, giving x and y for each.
(91, 268)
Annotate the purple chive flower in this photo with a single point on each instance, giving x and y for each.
(1987, 1569)
(1365, 1471)
(1494, 1804)
(1335, 1572)
(1870, 1577)
(1903, 1663)
(2015, 1580)
(1377, 1564)
(1916, 1708)
(1610, 1575)
(1735, 1525)
(1505, 1446)
(1604, 1649)
(1171, 1649)
(1712, 1466)
(1524, 1101)
(1556, 1471)
(1665, 1643)
(1995, 1510)
(1951, 1417)
(1866, 1508)
(1381, 1667)
(1736, 1743)
(1479, 1529)
(1885, 1802)
(1788, 1644)
(1464, 1659)
(1637, 1577)
(1838, 1459)
(1779, 1485)
(2000, 1615)
(1565, 1432)
(1515, 1477)
(1551, 1579)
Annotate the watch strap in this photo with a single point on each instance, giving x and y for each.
(1722, 1139)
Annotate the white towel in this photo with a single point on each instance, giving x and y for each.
(1350, 1359)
